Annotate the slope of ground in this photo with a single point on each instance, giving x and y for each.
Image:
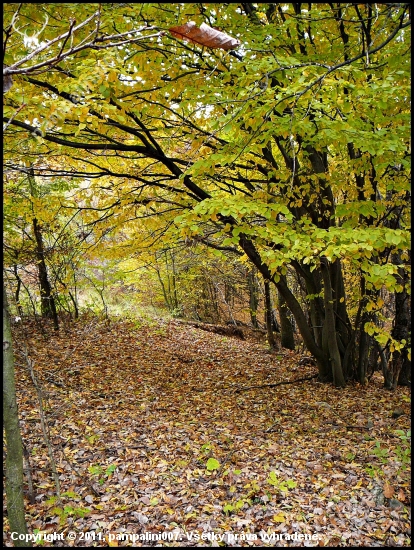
(159, 433)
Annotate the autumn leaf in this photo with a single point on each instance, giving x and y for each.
(205, 36)
(388, 490)
(292, 166)
(152, 472)
(112, 542)
(212, 464)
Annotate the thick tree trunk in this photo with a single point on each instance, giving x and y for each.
(286, 329)
(268, 316)
(48, 304)
(330, 331)
(322, 358)
(14, 447)
(404, 378)
(400, 363)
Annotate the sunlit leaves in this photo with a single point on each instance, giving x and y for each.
(301, 145)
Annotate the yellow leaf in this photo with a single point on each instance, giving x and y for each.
(279, 518)
(112, 77)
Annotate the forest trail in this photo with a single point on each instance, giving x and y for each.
(151, 435)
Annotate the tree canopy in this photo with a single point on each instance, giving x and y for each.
(277, 133)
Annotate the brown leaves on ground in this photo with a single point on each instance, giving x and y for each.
(138, 413)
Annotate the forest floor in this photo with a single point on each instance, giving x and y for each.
(158, 432)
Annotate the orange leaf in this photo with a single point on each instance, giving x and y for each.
(205, 36)
(388, 490)
(401, 495)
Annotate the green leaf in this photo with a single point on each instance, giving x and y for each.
(212, 464)
(228, 508)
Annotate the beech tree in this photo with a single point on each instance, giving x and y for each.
(283, 136)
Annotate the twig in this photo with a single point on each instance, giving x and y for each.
(72, 467)
(28, 470)
(13, 115)
(43, 422)
(226, 459)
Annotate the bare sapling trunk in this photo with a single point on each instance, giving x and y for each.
(14, 446)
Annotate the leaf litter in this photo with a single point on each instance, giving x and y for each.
(160, 427)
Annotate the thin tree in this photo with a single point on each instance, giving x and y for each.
(14, 446)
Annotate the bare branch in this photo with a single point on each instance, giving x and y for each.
(13, 68)
(13, 115)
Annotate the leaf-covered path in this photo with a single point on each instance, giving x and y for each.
(136, 412)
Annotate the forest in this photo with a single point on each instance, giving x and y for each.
(206, 274)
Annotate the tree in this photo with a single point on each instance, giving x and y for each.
(42, 239)
(269, 317)
(287, 338)
(36, 60)
(292, 151)
(14, 457)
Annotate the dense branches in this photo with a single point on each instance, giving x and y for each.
(282, 152)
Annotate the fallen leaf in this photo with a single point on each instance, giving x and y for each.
(388, 490)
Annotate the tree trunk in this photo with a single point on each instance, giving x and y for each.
(365, 345)
(286, 329)
(322, 358)
(402, 331)
(329, 329)
(14, 447)
(17, 291)
(321, 355)
(253, 296)
(75, 304)
(268, 316)
(164, 291)
(400, 362)
(48, 304)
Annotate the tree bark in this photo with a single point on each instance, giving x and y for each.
(253, 296)
(48, 304)
(268, 316)
(322, 357)
(330, 332)
(17, 291)
(400, 362)
(14, 447)
(286, 329)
